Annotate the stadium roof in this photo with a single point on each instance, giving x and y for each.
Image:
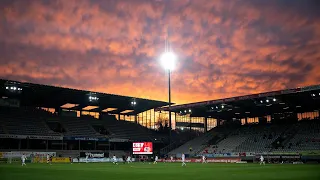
(36, 95)
(302, 99)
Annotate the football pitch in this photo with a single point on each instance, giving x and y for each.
(163, 171)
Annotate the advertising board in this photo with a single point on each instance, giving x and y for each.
(142, 148)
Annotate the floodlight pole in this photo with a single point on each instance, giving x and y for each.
(169, 91)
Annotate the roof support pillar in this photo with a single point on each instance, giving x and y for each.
(119, 116)
(135, 118)
(190, 122)
(205, 124)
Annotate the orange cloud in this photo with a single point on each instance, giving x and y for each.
(225, 48)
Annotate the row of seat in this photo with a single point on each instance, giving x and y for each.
(257, 138)
(307, 137)
(28, 121)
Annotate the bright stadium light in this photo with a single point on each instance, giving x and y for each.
(261, 101)
(274, 99)
(93, 98)
(190, 110)
(168, 60)
(222, 106)
(267, 100)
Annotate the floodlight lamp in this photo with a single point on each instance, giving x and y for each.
(185, 111)
(261, 101)
(216, 107)
(274, 99)
(313, 95)
(168, 60)
(189, 110)
(267, 100)
(7, 87)
(222, 106)
(14, 88)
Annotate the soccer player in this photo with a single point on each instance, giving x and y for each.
(204, 159)
(48, 159)
(114, 158)
(155, 160)
(87, 156)
(171, 158)
(124, 159)
(70, 158)
(183, 158)
(23, 160)
(262, 160)
(129, 159)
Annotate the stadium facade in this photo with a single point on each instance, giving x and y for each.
(70, 122)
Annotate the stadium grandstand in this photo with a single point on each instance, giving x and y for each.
(70, 123)
(34, 116)
(278, 122)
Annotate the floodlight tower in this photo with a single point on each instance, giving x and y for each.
(168, 61)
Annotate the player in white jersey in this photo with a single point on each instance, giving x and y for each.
(23, 160)
(204, 159)
(155, 160)
(171, 158)
(262, 160)
(87, 157)
(114, 160)
(48, 158)
(183, 159)
(129, 159)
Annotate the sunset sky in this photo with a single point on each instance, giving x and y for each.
(225, 47)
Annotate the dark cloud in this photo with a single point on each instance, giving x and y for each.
(225, 48)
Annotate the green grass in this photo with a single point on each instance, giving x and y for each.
(163, 171)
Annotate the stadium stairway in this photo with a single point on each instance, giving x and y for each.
(195, 144)
(285, 137)
(213, 142)
(260, 138)
(306, 137)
